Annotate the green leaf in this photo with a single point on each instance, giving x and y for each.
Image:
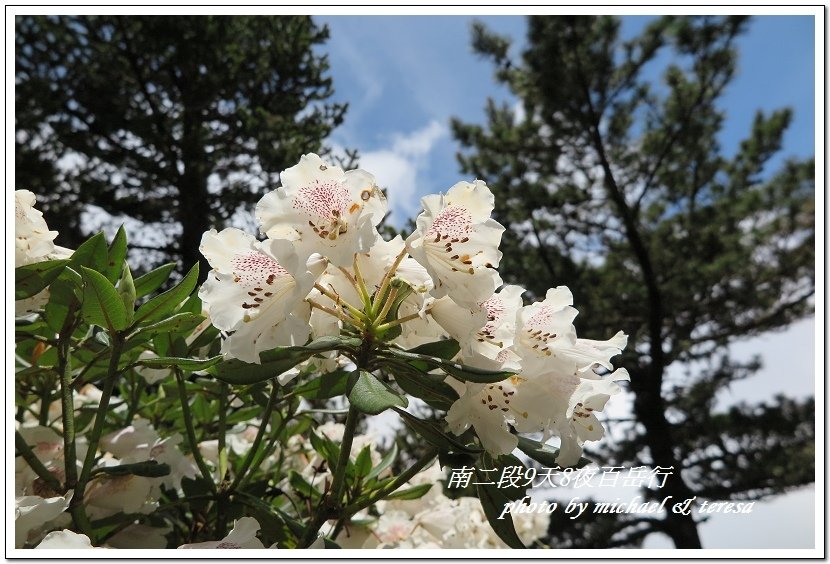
(545, 454)
(33, 278)
(116, 255)
(327, 448)
(102, 305)
(148, 469)
(494, 497)
(363, 462)
(126, 289)
(459, 371)
(445, 348)
(178, 323)
(92, 253)
(166, 302)
(493, 501)
(277, 361)
(414, 492)
(434, 435)
(189, 364)
(64, 296)
(206, 337)
(301, 486)
(428, 387)
(372, 396)
(329, 385)
(152, 280)
(385, 462)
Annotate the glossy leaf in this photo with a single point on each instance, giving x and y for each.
(428, 387)
(102, 305)
(459, 371)
(92, 253)
(189, 364)
(445, 348)
(126, 289)
(148, 469)
(165, 303)
(153, 280)
(370, 395)
(31, 279)
(385, 462)
(434, 435)
(178, 323)
(493, 501)
(277, 361)
(415, 492)
(326, 386)
(116, 255)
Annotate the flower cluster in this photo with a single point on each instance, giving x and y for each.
(184, 419)
(323, 269)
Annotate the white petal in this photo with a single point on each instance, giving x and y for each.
(65, 539)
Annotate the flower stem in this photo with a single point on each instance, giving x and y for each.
(399, 481)
(252, 452)
(101, 414)
(191, 432)
(34, 462)
(67, 407)
(332, 500)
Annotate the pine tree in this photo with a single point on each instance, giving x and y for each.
(176, 122)
(617, 187)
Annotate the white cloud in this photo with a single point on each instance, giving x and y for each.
(397, 167)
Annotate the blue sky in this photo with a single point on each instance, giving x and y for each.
(405, 77)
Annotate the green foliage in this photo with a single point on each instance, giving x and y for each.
(102, 305)
(278, 360)
(616, 185)
(161, 305)
(370, 395)
(493, 498)
(33, 278)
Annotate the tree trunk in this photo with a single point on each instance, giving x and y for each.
(650, 411)
(194, 206)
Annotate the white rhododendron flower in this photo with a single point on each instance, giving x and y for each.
(457, 242)
(324, 210)
(547, 342)
(485, 335)
(252, 290)
(243, 535)
(33, 243)
(66, 539)
(485, 410)
(139, 442)
(580, 423)
(32, 512)
(33, 240)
